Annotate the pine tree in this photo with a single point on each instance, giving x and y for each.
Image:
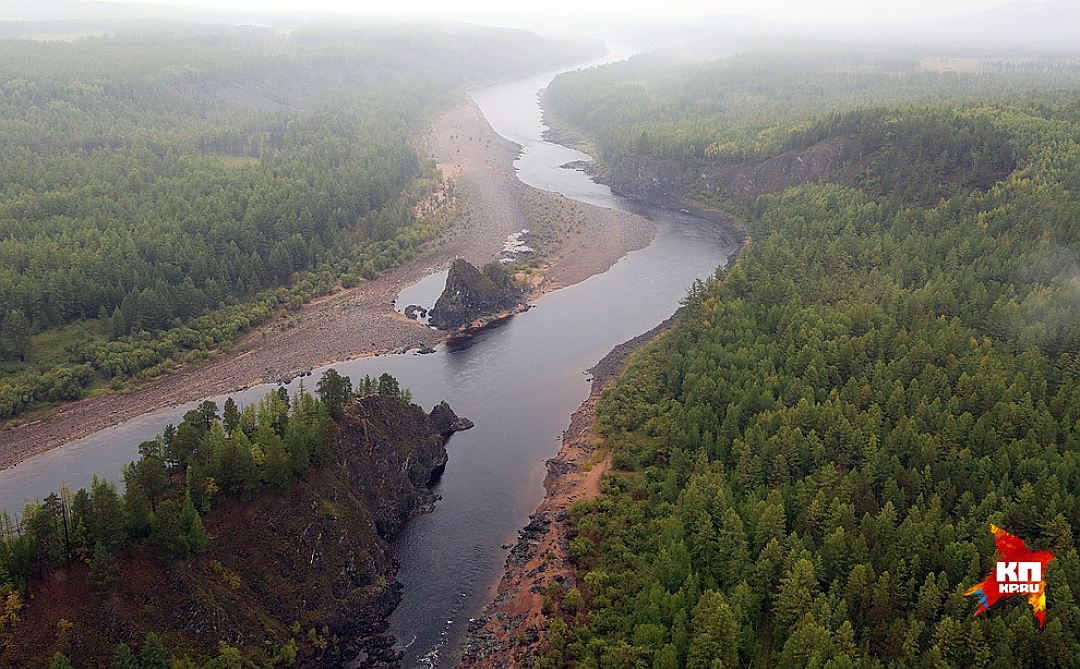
(334, 391)
(731, 547)
(797, 589)
(151, 477)
(230, 417)
(153, 654)
(388, 385)
(207, 415)
(771, 522)
(108, 524)
(124, 658)
(104, 571)
(715, 635)
(277, 470)
(666, 658)
(191, 527)
(15, 336)
(703, 544)
(233, 461)
(60, 661)
(167, 539)
(138, 516)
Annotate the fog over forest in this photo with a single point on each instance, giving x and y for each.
(419, 335)
(1044, 24)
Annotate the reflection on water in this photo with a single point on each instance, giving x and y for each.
(518, 383)
(424, 293)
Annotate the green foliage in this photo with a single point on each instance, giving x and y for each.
(60, 661)
(230, 419)
(178, 190)
(334, 390)
(124, 658)
(153, 654)
(14, 336)
(104, 572)
(191, 527)
(174, 482)
(806, 465)
(388, 386)
(756, 105)
(385, 385)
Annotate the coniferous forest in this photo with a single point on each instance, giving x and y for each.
(801, 470)
(164, 192)
(806, 466)
(215, 458)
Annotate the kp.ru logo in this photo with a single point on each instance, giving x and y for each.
(1018, 571)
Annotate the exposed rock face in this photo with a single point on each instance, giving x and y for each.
(392, 452)
(317, 554)
(446, 421)
(656, 179)
(471, 294)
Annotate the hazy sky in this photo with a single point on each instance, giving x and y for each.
(775, 9)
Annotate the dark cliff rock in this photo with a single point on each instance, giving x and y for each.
(446, 421)
(472, 294)
(391, 452)
(886, 169)
(739, 183)
(316, 554)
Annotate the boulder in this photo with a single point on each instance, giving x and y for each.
(446, 421)
(473, 294)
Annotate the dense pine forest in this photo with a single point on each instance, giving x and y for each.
(807, 465)
(759, 104)
(164, 192)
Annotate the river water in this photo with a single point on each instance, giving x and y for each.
(519, 383)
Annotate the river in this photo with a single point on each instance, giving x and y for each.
(519, 383)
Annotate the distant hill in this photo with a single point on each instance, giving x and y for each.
(95, 10)
(1054, 24)
(1028, 24)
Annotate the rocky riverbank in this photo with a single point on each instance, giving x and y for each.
(510, 632)
(309, 565)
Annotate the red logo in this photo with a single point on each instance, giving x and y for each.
(1018, 571)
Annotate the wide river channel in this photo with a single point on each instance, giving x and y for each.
(519, 383)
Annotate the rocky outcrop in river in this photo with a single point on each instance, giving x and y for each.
(446, 421)
(472, 294)
(310, 564)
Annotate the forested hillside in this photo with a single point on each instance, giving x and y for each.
(807, 465)
(162, 193)
(242, 537)
(759, 104)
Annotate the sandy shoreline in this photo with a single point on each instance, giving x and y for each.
(491, 203)
(510, 632)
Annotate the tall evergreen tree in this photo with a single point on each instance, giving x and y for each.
(153, 654)
(60, 661)
(191, 526)
(104, 571)
(334, 391)
(14, 336)
(230, 418)
(124, 658)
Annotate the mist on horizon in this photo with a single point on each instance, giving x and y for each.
(700, 27)
(783, 10)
